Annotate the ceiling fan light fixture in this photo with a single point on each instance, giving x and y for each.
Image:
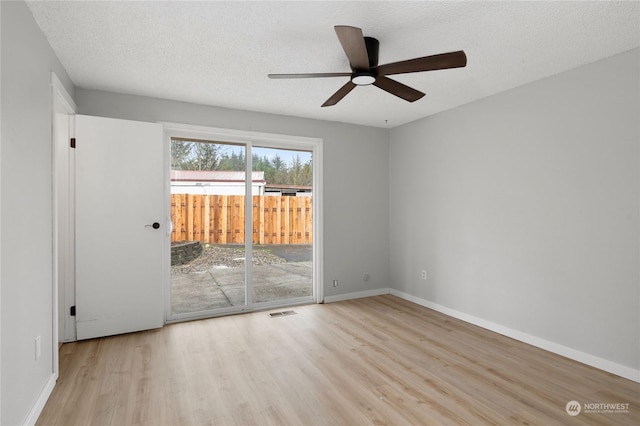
(363, 78)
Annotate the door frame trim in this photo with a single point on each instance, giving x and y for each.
(62, 102)
(250, 138)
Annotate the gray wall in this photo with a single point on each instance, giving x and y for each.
(523, 208)
(355, 179)
(26, 216)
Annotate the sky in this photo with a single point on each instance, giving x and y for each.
(286, 155)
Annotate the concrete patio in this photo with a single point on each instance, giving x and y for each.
(220, 287)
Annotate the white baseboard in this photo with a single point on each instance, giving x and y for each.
(41, 401)
(356, 295)
(585, 358)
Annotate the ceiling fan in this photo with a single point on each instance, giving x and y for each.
(362, 53)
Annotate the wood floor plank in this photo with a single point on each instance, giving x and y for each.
(380, 360)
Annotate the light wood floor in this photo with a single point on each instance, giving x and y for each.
(380, 360)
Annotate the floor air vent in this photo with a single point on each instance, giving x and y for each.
(282, 314)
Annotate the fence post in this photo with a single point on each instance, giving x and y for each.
(261, 215)
(206, 217)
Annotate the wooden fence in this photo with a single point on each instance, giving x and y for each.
(220, 219)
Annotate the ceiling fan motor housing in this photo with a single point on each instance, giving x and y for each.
(366, 77)
(373, 47)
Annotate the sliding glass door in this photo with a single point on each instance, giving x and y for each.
(239, 244)
(283, 220)
(208, 210)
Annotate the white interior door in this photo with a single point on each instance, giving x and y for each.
(119, 252)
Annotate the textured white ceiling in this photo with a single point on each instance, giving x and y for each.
(219, 53)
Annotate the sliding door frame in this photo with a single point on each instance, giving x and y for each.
(249, 139)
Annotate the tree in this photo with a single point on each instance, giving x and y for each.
(280, 171)
(205, 156)
(180, 153)
(278, 164)
(295, 171)
(307, 174)
(233, 162)
(192, 155)
(264, 164)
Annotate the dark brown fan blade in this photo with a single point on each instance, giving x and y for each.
(317, 75)
(352, 41)
(398, 89)
(341, 93)
(428, 63)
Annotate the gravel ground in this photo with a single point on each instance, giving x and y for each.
(225, 257)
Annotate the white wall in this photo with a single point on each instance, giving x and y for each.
(26, 218)
(523, 208)
(356, 223)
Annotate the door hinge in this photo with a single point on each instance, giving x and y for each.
(72, 311)
(73, 142)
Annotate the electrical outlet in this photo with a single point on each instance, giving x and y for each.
(365, 277)
(424, 275)
(335, 283)
(38, 347)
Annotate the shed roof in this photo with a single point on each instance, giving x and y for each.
(214, 176)
(290, 187)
